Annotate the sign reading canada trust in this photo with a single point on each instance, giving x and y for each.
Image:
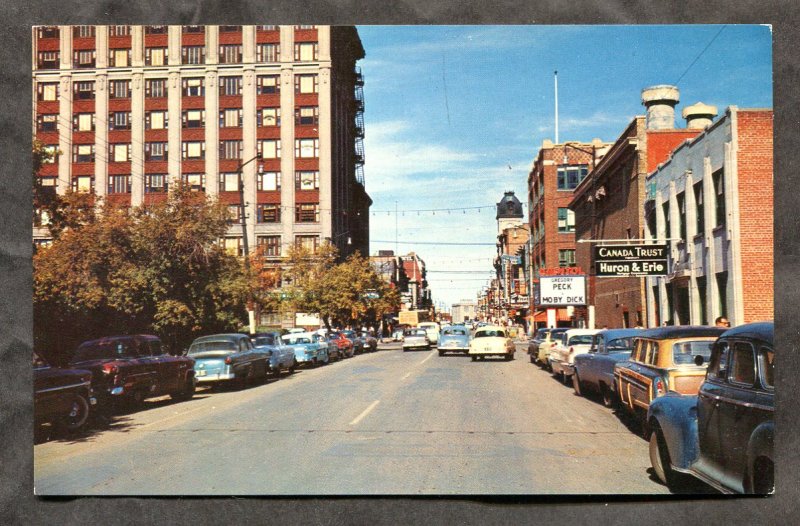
(630, 260)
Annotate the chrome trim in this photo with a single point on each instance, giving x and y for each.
(51, 389)
(739, 403)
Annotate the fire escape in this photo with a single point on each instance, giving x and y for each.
(359, 126)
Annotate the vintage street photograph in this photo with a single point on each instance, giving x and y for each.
(310, 260)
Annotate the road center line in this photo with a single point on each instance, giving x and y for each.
(426, 359)
(364, 413)
(407, 375)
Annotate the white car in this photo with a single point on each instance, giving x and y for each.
(432, 328)
(491, 340)
(562, 355)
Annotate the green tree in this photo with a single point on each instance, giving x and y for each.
(156, 269)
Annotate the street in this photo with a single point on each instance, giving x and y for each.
(389, 422)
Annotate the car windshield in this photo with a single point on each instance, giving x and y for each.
(213, 345)
(620, 344)
(542, 334)
(415, 332)
(496, 333)
(455, 332)
(683, 353)
(581, 339)
(99, 350)
(267, 339)
(350, 334)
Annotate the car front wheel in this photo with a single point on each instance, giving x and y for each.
(186, 393)
(77, 415)
(659, 459)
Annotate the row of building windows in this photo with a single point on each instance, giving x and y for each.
(159, 119)
(190, 87)
(718, 182)
(190, 55)
(190, 150)
(228, 182)
(120, 31)
(269, 246)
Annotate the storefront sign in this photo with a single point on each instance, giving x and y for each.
(630, 260)
(562, 290)
(561, 271)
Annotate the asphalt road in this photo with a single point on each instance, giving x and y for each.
(383, 423)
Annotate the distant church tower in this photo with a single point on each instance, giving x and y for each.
(509, 212)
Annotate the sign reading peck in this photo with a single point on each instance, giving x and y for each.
(562, 290)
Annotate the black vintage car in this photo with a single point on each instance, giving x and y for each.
(134, 367)
(724, 435)
(61, 397)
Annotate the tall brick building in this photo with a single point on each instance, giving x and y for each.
(557, 170)
(714, 197)
(133, 109)
(609, 205)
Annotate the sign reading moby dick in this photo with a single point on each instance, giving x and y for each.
(630, 260)
(562, 290)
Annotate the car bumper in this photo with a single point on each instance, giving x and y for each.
(568, 368)
(453, 349)
(473, 352)
(416, 346)
(210, 378)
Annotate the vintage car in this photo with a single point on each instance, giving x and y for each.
(533, 345)
(552, 339)
(724, 435)
(491, 340)
(594, 370)
(358, 341)
(662, 360)
(228, 358)
(414, 338)
(61, 397)
(454, 339)
(341, 342)
(432, 328)
(562, 357)
(281, 357)
(370, 342)
(306, 349)
(132, 368)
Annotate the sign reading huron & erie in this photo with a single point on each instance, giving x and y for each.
(630, 260)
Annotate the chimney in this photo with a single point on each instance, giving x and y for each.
(660, 102)
(699, 115)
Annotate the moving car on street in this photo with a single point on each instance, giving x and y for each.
(62, 397)
(454, 339)
(415, 338)
(663, 360)
(230, 358)
(432, 329)
(594, 370)
(491, 340)
(724, 435)
(562, 357)
(132, 368)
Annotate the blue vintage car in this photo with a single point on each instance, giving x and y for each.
(228, 358)
(723, 435)
(453, 339)
(594, 370)
(307, 348)
(281, 356)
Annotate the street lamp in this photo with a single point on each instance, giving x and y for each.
(593, 152)
(251, 315)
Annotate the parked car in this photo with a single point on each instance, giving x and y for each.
(281, 357)
(306, 350)
(594, 370)
(724, 435)
(432, 329)
(370, 342)
(491, 340)
(230, 358)
(358, 342)
(344, 344)
(562, 357)
(414, 338)
(454, 339)
(552, 339)
(663, 360)
(132, 368)
(533, 345)
(61, 397)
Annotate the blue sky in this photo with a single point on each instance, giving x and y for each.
(455, 116)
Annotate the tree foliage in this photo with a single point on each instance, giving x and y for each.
(155, 269)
